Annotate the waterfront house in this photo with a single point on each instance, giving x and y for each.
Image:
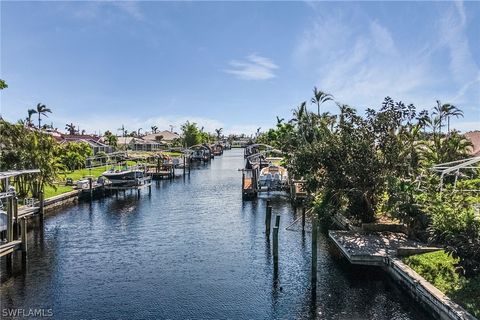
(95, 142)
(164, 136)
(141, 144)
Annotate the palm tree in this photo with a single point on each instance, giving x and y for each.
(124, 132)
(70, 128)
(320, 97)
(154, 129)
(219, 132)
(451, 111)
(138, 131)
(280, 120)
(29, 118)
(42, 110)
(258, 131)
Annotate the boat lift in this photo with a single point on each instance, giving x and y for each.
(457, 168)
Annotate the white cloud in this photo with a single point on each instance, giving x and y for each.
(255, 67)
(359, 61)
(360, 69)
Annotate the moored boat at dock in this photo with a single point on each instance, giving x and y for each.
(125, 177)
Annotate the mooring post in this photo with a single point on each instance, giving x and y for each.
(150, 189)
(314, 249)
(184, 165)
(90, 186)
(303, 218)
(9, 219)
(268, 221)
(42, 205)
(24, 238)
(275, 238)
(15, 214)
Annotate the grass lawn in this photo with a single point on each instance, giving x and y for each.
(49, 191)
(438, 268)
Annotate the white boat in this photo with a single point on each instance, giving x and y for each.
(273, 177)
(127, 177)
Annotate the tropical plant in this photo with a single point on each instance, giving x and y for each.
(42, 110)
(320, 97)
(191, 134)
(70, 128)
(154, 129)
(29, 117)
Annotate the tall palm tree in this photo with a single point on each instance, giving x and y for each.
(320, 97)
(30, 114)
(70, 128)
(42, 110)
(446, 111)
(451, 111)
(138, 131)
(124, 132)
(154, 129)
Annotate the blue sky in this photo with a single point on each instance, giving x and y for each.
(231, 64)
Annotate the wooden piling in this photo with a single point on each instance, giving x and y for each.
(314, 249)
(275, 238)
(9, 219)
(268, 221)
(15, 214)
(41, 204)
(184, 165)
(24, 237)
(303, 218)
(90, 186)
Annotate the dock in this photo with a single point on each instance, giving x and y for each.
(373, 248)
(385, 249)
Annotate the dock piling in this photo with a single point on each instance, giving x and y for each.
(303, 218)
(15, 214)
(24, 237)
(9, 219)
(90, 187)
(268, 221)
(41, 205)
(275, 238)
(314, 249)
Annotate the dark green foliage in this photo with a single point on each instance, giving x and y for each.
(440, 269)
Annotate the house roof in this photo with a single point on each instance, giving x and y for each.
(474, 137)
(167, 135)
(135, 140)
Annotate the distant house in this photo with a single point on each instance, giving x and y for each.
(140, 144)
(474, 137)
(165, 136)
(94, 142)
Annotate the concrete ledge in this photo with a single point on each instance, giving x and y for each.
(425, 293)
(409, 251)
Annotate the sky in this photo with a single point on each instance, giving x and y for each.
(233, 65)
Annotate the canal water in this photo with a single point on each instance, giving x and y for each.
(191, 250)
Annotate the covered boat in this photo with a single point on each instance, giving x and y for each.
(273, 177)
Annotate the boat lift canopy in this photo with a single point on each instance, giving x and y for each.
(455, 167)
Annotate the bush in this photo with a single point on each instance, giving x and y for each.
(454, 224)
